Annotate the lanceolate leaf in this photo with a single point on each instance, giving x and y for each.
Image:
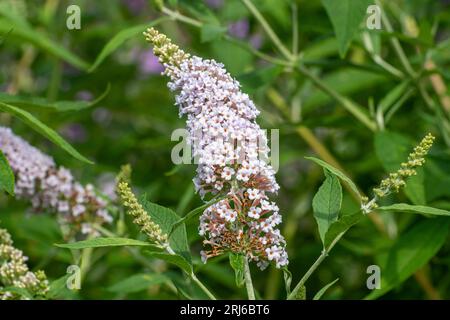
(327, 203)
(61, 106)
(119, 39)
(166, 219)
(410, 252)
(346, 17)
(6, 175)
(41, 128)
(404, 207)
(138, 282)
(174, 259)
(40, 40)
(337, 172)
(103, 242)
(321, 292)
(340, 226)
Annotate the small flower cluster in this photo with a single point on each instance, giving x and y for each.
(228, 145)
(50, 188)
(135, 209)
(396, 180)
(14, 273)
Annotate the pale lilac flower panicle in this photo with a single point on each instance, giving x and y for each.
(228, 145)
(50, 188)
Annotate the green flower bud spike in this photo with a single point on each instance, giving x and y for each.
(397, 180)
(141, 217)
(168, 53)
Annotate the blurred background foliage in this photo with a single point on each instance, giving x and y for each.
(40, 57)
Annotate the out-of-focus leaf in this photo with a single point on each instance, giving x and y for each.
(38, 102)
(6, 175)
(327, 203)
(58, 288)
(346, 17)
(259, 78)
(174, 259)
(237, 263)
(41, 128)
(103, 242)
(321, 292)
(138, 282)
(119, 39)
(336, 172)
(166, 219)
(41, 41)
(411, 251)
(404, 207)
(211, 32)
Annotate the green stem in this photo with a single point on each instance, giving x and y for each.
(248, 281)
(348, 104)
(268, 29)
(178, 16)
(294, 29)
(194, 278)
(396, 44)
(313, 268)
(202, 286)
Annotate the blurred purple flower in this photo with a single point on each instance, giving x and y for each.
(74, 132)
(84, 95)
(256, 40)
(214, 4)
(239, 29)
(134, 6)
(102, 116)
(149, 63)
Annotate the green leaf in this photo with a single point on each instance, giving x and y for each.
(336, 172)
(320, 293)
(259, 78)
(392, 149)
(58, 287)
(174, 259)
(138, 282)
(6, 175)
(287, 275)
(24, 293)
(327, 203)
(210, 32)
(42, 41)
(404, 207)
(341, 226)
(237, 262)
(346, 17)
(193, 213)
(61, 106)
(120, 38)
(103, 242)
(166, 219)
(393, 95)
(41, 128)
(410, 252)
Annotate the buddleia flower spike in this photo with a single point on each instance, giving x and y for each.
(52, 188)
(228, 144)
(140, 217)
(397, 180)
(15, 273)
